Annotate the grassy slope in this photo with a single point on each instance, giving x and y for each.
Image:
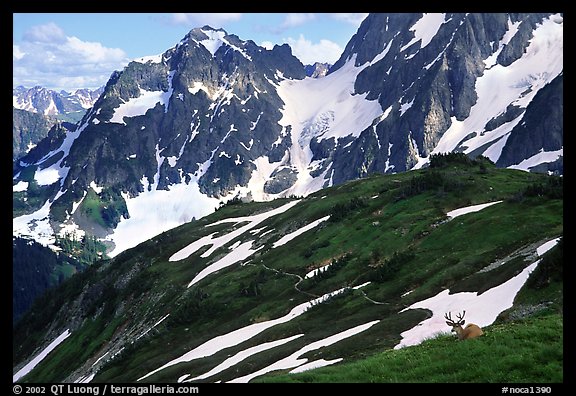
(392, 219)
(530, 350)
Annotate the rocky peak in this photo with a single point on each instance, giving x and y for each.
(316, 70)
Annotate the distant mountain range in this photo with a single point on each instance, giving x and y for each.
(316, 70)
(37, 109)
(216, 117)
(51, 103)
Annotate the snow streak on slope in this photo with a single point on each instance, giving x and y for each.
(240, 356)
(539, 158)
(510, 33)
(238, 336)
(294, 360)
(500, 86)
(469, 209)
(223, 240)
(287, 238)
(38, 358)
(237, 254)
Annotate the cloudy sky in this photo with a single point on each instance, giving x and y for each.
(80, 50)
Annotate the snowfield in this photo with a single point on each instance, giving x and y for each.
(156, 211)
(500, 86)
(481, 309)
(323, 108)
(140, 105)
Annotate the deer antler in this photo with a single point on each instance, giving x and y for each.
(448, 317)
(460, 317)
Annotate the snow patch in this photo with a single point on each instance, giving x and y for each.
(20, 186)
(242, 252)
(287, 238)
(196, 87)
(38, 358)
(405, 106)
(314, 364)
(242, 355)
(469, 209)
(508, 35)
(75, 205)
(140, 105)
(47, 176)
(425, 29)
(539, 158)
(153, 212)
(214, 41)
(95, 187)
(362, 285)
(218, 242)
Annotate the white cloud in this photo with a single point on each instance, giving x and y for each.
(353, 18)
(292, 20)
(47, 57)
(297, 19)
(267, 44)
(48, 33)
(216, 20)
(17, 53)
(308, 52)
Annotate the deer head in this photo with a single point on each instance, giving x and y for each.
(470, 331)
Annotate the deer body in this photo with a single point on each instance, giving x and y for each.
(470, 331)
(463, 333)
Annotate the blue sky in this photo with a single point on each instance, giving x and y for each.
(81, 50)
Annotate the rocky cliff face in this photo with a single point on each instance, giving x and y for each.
(445, 83)
(27, 130)
(216, 117)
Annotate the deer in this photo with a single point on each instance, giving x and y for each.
(470, 331)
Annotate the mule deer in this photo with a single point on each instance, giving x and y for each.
(470, 331)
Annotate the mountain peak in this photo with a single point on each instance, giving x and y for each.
(205, 32)
(210, 28)
(318, 69)
(221, 117)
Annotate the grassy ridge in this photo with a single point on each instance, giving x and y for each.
(516, 352)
